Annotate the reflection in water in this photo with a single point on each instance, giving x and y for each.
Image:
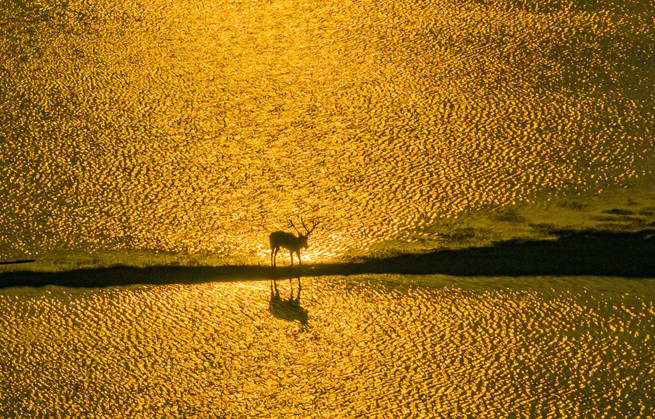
(287, 309)
(384, 346)
(165, 129)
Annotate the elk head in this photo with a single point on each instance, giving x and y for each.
(303, 237)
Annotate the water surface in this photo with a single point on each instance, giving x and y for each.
(198, 127)
(378, 346)
(154, 134)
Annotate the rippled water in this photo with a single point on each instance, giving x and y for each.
(373, 346)
(149, 132)
(199, 127)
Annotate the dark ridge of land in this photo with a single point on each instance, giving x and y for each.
(16, 262)
(572, 253)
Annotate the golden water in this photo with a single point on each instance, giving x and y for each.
(371, 346)
(151, 132)
(200, 126)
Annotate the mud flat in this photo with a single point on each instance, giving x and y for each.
(590, 252)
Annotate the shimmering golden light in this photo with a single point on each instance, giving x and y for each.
(200, 127)
(371, 345)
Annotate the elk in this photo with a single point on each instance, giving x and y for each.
(287, 309)
(290, 241)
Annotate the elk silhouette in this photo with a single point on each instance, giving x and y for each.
(290, 241)
(287, 309)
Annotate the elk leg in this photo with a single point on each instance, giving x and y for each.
(290, 281)
(299, 289)
(274, 255)
(274, 286)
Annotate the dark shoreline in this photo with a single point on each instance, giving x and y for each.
(571, 253)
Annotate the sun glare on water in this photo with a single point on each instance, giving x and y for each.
(200, 127)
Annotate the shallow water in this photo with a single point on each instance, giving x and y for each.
(374, 345)
(156, 133)
(199, 127)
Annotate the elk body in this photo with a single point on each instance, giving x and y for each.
(290, 241)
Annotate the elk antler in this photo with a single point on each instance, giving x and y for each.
(294, 227)
(309, 231)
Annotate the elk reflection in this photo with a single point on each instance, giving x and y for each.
(287, 309)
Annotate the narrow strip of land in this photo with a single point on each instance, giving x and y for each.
(16, 262)
(571, 253)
